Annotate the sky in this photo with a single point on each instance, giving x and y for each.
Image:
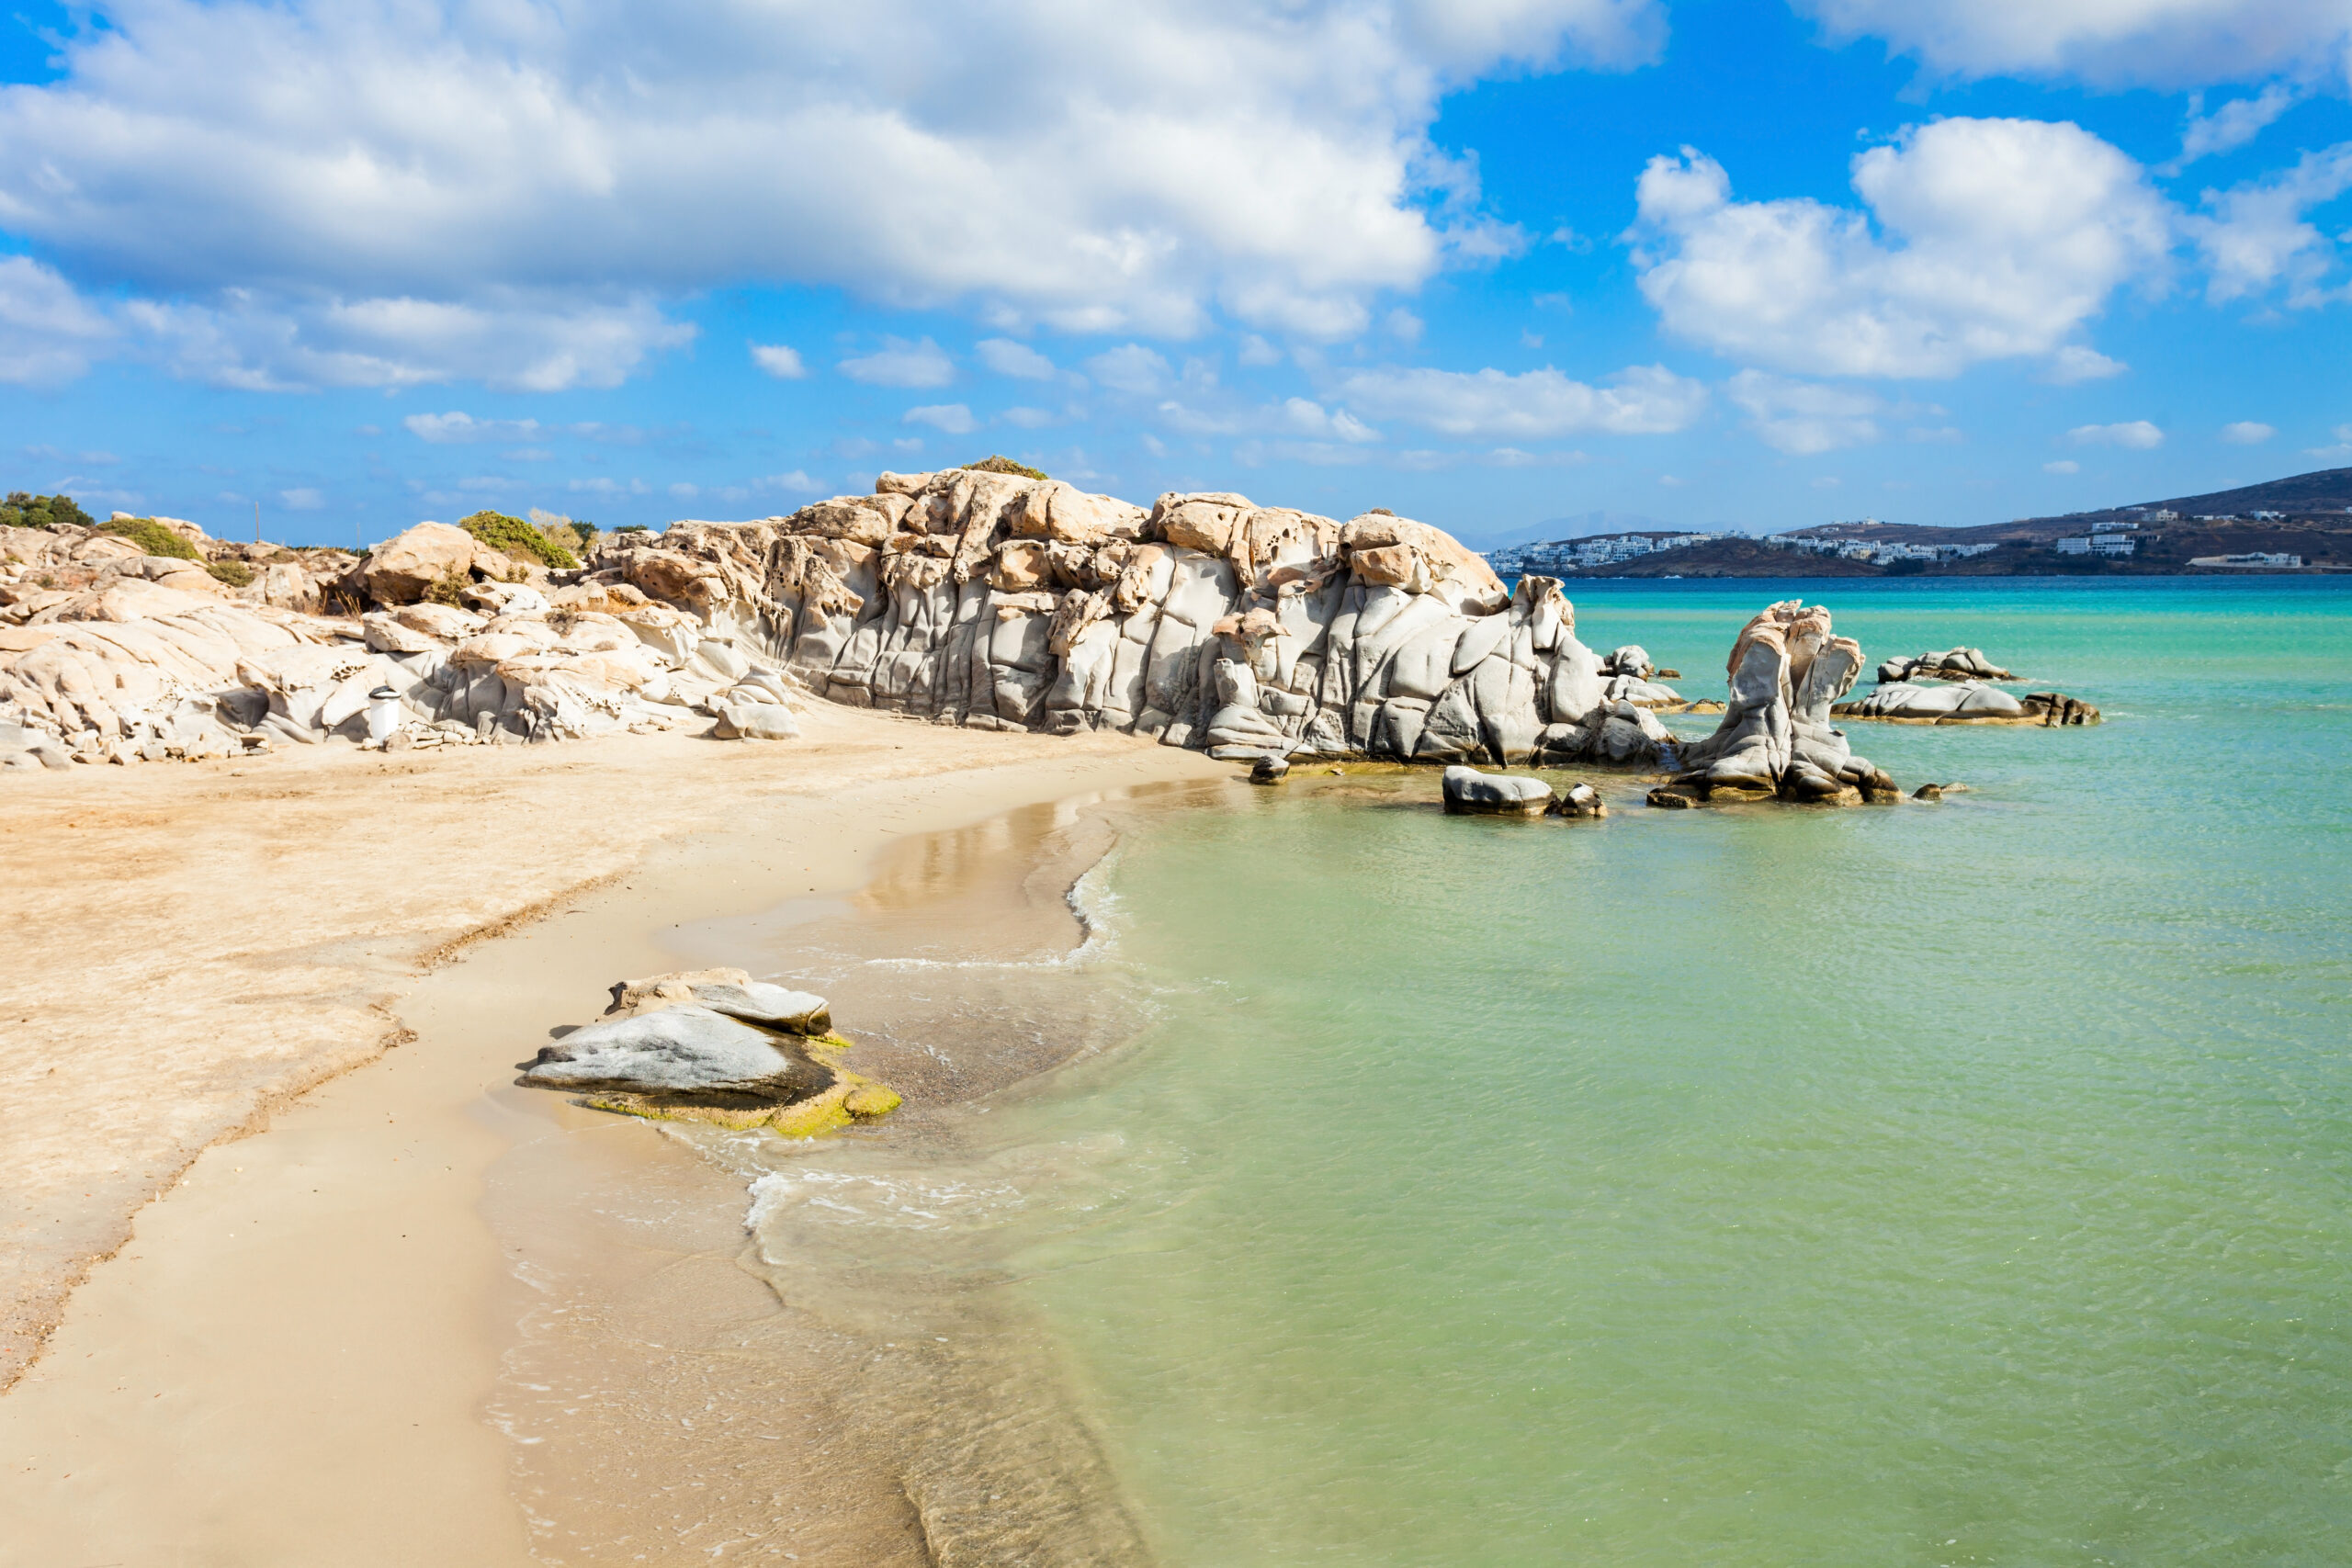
(353, 264)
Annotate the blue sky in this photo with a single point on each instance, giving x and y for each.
(1485, 262)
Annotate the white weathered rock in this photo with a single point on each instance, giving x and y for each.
(1776, 739)
(1470, 791)
(403, 569)
(758, 1002)
(682, 1049)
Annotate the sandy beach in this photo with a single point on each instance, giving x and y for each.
(264, 1020)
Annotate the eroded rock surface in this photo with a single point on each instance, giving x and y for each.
(1968, 702)
(1944, 664)
(967, 597)
(1787, 668)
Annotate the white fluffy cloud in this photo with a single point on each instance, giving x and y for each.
(1804, 417)
(2077, 362)
(1995, 239)
(955, 419)
(1139, 168)
(535, 343)
(457, 427)
(898, 362)
(2255, 235)
(2172, 43)
(2232, 125)
(2248, 433)
(1131, 368)
(46, 333)
(2137, 436)
(1007, 357)
(1534, 405)
(779, 360)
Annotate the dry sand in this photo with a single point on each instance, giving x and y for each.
(288, 1362)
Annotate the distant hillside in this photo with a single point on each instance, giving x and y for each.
(2314, 522)
(1583, 525)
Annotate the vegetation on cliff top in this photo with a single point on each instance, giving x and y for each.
(153, 537)
(25, 511)
(523, 540)
(1002, 464)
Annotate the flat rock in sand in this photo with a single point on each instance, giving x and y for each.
(683, 1049)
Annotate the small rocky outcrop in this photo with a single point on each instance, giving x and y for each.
(1946, 664)
(1468, 792)
(713, 1046)
(1776, 741)
(1967, 702)
(1578, 800)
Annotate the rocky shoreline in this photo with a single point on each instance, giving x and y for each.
(968, 597)
(971, 597)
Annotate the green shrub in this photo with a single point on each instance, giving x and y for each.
(632, 528)
(23, 510)
(519, 538)
(152, 537)
(996, 465)
(449, 591)
(235, 573)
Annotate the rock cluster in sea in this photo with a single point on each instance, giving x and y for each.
(971, 597)
(1945, 664)
(713, 1046)
(1966, 702)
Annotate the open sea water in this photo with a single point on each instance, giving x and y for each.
(1913, 1185)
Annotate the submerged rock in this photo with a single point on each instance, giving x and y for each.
(1471, 793)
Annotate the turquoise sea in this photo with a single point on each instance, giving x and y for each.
(1912, 1185)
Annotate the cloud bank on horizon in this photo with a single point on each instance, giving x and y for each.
(1160, 240)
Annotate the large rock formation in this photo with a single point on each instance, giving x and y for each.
(1776, 739)
(967, 597)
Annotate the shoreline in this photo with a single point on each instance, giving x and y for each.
(302, 1334)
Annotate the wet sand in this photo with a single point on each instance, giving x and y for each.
(297, 1358)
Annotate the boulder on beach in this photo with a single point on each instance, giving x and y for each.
(682, 1049)
(714, 1046)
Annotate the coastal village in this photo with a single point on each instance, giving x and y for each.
(2290, 525)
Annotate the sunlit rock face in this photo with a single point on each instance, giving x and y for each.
(1207, 621)
(969, 597)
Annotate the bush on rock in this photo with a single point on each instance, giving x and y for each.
(523, 540)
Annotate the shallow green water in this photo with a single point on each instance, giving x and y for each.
(1960, 1184)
